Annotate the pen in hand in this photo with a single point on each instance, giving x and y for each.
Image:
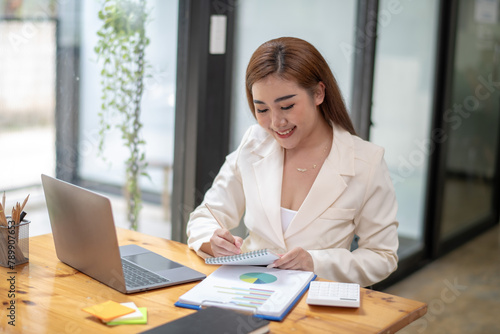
(222, 226)
(213, 215)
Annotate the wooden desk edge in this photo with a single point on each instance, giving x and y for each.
(408, 319)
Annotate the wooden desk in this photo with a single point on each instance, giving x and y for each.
(49, 296)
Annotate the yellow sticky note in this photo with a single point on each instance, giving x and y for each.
(143, 320)
(109, 310)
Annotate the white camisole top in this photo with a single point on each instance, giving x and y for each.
(286, 217)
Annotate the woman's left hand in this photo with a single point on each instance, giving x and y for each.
(298, 259)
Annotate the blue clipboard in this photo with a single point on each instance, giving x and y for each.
(267, 317)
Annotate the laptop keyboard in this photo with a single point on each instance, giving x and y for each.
(136, 276)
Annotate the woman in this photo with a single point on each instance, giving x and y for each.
(303, 181)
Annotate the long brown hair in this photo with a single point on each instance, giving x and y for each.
(297, 60)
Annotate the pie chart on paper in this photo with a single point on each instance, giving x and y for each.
(258, 278)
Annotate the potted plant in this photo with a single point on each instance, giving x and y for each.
(121, 51)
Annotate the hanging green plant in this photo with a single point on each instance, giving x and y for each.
(120, 50)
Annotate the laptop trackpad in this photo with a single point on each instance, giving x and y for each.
(153, 262)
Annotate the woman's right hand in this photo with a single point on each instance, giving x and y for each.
(223, 243)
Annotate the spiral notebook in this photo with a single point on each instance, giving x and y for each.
(261, 257)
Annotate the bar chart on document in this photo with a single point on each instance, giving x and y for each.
(246, 297)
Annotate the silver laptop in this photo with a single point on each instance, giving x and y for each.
(85, 238)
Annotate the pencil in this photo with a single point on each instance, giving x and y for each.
(18, 212)
(3, 218)
(213, 215)
(13, 215)
(25, 201)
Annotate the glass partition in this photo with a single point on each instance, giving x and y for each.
(402, 107)
(158, 101)
(472, 120)
(27, 92)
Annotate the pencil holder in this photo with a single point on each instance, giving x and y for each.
(14, 244)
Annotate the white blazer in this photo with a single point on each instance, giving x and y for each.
(352, 194)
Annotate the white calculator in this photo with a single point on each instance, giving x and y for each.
(333, 294)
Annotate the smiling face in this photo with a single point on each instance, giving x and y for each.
(289, 113)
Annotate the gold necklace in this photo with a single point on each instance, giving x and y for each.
(303, 170)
